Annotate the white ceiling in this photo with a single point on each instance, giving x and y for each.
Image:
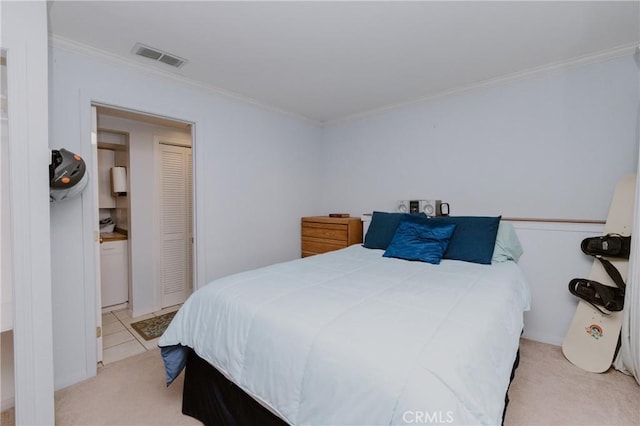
(330, 60)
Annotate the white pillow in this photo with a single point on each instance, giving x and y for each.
(507, 244)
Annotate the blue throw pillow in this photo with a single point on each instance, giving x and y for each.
(383, 227)
(420, 239)
(474, 238)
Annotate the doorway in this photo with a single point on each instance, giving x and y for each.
(135, 267)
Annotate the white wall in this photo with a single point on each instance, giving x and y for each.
(255, 174)
(142, 181)
(551, 145)
(552, 258)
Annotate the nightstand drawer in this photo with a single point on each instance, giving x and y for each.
(336, 232)
(317, 247)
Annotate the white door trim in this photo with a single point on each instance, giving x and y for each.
(96, 230)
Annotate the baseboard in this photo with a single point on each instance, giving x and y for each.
(543, 338)
(119, 307)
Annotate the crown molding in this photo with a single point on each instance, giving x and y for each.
(73, 46)
(592, 58)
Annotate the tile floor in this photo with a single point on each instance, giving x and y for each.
(120, 340)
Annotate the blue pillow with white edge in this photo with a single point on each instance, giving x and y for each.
(474, 238)
(420, 239)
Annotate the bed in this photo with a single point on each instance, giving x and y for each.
(352, 337)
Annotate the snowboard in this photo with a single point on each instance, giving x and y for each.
(592, 338)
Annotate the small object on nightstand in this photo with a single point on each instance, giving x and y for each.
(338, 214)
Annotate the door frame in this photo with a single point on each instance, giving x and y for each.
(89, 98)
(96, 230)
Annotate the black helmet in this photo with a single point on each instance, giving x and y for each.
(67, 175)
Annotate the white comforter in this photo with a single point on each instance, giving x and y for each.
(352, 338)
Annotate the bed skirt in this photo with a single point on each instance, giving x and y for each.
(216, 401)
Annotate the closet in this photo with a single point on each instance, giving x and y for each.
(6, 285)
(174, 165)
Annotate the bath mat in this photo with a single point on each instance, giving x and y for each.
(153, 327)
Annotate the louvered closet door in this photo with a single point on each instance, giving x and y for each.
(176, 208)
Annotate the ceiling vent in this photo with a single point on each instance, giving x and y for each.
(158, 55)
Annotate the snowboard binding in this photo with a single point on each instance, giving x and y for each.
(593, 292)
(610, 298)
(610, 245)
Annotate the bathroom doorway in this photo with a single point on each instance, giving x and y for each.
(140, 201)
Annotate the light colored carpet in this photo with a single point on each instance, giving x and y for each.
(7, 417)
(127, 392)
(547, 390)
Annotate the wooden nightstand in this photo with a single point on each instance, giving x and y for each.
(321, 234)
